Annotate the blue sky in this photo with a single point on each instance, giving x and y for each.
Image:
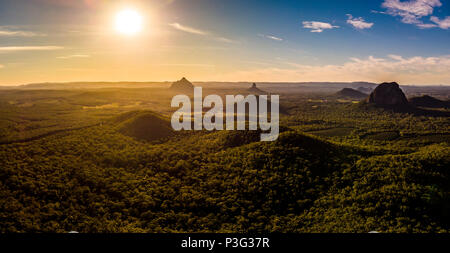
(251, 40)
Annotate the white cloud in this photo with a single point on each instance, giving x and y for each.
(74, 56)
(188, 29)
(271, 37)
(413, 11)
(29, 48)
(358, 23)
(413, 70)
(317, 27)
(444, 23)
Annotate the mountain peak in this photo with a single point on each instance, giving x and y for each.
(388, 94)
(350, 93)
(182, 84)
(255, 90)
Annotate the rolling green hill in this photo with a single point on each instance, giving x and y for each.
(351, 94)
(98, 180)
(145, 125)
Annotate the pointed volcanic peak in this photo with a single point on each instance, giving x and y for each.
(182, 85)
(350, 93)
(255, 90)
(429, 102)
(388, 94)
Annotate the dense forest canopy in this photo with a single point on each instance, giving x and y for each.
(107, 161)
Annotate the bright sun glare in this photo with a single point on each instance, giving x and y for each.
(128, 22)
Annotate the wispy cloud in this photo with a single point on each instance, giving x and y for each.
(15, 33)
(196, 31)
(29, 48)
(378, 12)
(317, 27)
(73, 3)
(358, 23)
(186, 65)
(226, 40)
(74, 56)
(271, 37)
(188, 29)
(1, 66)
(412, 12)
(425, 26)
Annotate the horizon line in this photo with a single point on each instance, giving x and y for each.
(236, 82)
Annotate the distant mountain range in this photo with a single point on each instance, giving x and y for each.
(87, 85)
(440, 91)
(126, 84)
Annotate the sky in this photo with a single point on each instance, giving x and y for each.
(226, 40)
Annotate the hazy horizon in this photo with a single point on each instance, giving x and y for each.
(214, 81)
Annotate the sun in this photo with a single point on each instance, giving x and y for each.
(128, 22)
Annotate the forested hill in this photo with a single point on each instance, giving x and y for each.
(101, 180)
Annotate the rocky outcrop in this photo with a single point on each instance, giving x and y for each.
(388, 94)
(255, 90)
